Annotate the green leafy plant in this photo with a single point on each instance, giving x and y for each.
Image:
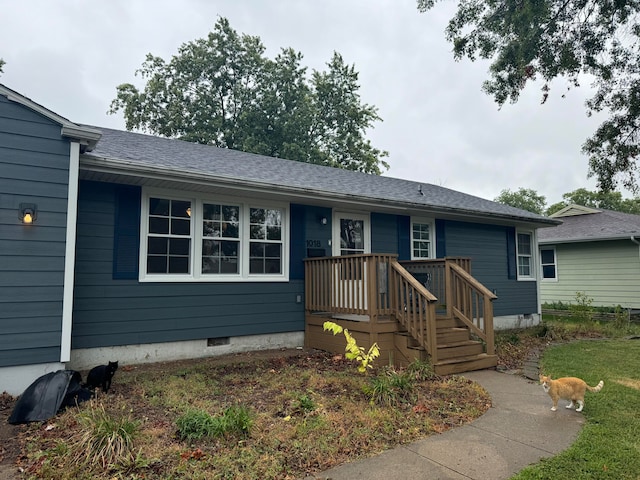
(390, 388)
(582, 309)
(353, 350)
(195, 424)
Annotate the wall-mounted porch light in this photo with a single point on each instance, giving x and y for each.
(28, 212)
(323, 220)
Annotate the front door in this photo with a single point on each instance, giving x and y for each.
(351, 236)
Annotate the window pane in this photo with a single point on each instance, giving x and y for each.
(229, 265)
(180, 227)
(524, 244)
(549, 271)
(179, 246)
(156, 264)
(159, 206)
(257, 232)
(158, 225)
(547, 256)
(180, 208)
(256, 249)
(229, 249)
(524, 266)
(157, 245)
(178, 264)
(210, 265)
(230, 230)
(211, 229)
(231, 214)
(210, 211)
(257, 215)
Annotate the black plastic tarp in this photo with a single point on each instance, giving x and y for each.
(47, 395)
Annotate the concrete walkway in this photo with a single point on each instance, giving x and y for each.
(518, 430)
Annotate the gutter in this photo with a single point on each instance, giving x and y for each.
(633, 239)
(102, 164)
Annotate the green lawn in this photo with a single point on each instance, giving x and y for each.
(608, 447)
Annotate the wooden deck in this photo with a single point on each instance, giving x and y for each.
(430, 309)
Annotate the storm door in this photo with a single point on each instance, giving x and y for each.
(351, 236)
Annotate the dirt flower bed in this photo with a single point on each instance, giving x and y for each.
(296, 413)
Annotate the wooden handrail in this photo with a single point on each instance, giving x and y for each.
(472, 303)
(414, 308)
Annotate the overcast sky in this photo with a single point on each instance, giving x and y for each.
(438, 126)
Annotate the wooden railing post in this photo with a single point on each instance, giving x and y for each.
(448, 288)
(488, 325)
(371, 275)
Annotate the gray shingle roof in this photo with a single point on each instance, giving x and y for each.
(603, 225)
(179, 158)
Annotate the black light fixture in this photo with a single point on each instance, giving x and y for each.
(27, 213)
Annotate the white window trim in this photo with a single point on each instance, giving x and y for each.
(555, 264)
(432, 234)
(365, 217)
(196, 274)
(532, 266)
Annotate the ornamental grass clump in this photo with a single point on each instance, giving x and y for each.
(195, 424)
(103, 439)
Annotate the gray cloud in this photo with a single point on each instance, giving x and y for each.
(438, 126)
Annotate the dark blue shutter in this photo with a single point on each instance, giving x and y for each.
(511, 253)
(404, 238)
(126, 234)
(441, 244)
(297, 247)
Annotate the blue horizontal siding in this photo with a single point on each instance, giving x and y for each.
(486, 245)
(110, 311)
(34, 168)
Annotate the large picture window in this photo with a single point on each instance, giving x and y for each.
(201, 239)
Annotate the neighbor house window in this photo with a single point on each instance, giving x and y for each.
(204, 239)
(422, 239)
(524, 255)
(548, 263)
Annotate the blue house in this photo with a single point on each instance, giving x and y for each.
(118, 245)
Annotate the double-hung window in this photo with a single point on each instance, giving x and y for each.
(187, 238)
(525, 255)
(422, 239)
(548, 264)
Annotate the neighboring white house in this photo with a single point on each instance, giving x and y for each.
(595, 252)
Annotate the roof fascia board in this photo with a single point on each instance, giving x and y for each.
(109, 165)
(84, 135)
(583, 240)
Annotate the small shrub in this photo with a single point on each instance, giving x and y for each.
(421, 370)
(583, 309)
(103, 439)
(305, 404)
(353, 350)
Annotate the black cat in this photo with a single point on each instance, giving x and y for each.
(101, 376)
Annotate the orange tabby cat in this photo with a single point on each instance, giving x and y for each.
(568, 388)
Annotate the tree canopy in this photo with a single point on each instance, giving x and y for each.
(530, 200)
(571, 40)
(2, 63)
(524, 198)
(604, 200)
(222, 90)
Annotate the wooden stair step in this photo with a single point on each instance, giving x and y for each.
(459, 349)
(465, 364)
(447, 335)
